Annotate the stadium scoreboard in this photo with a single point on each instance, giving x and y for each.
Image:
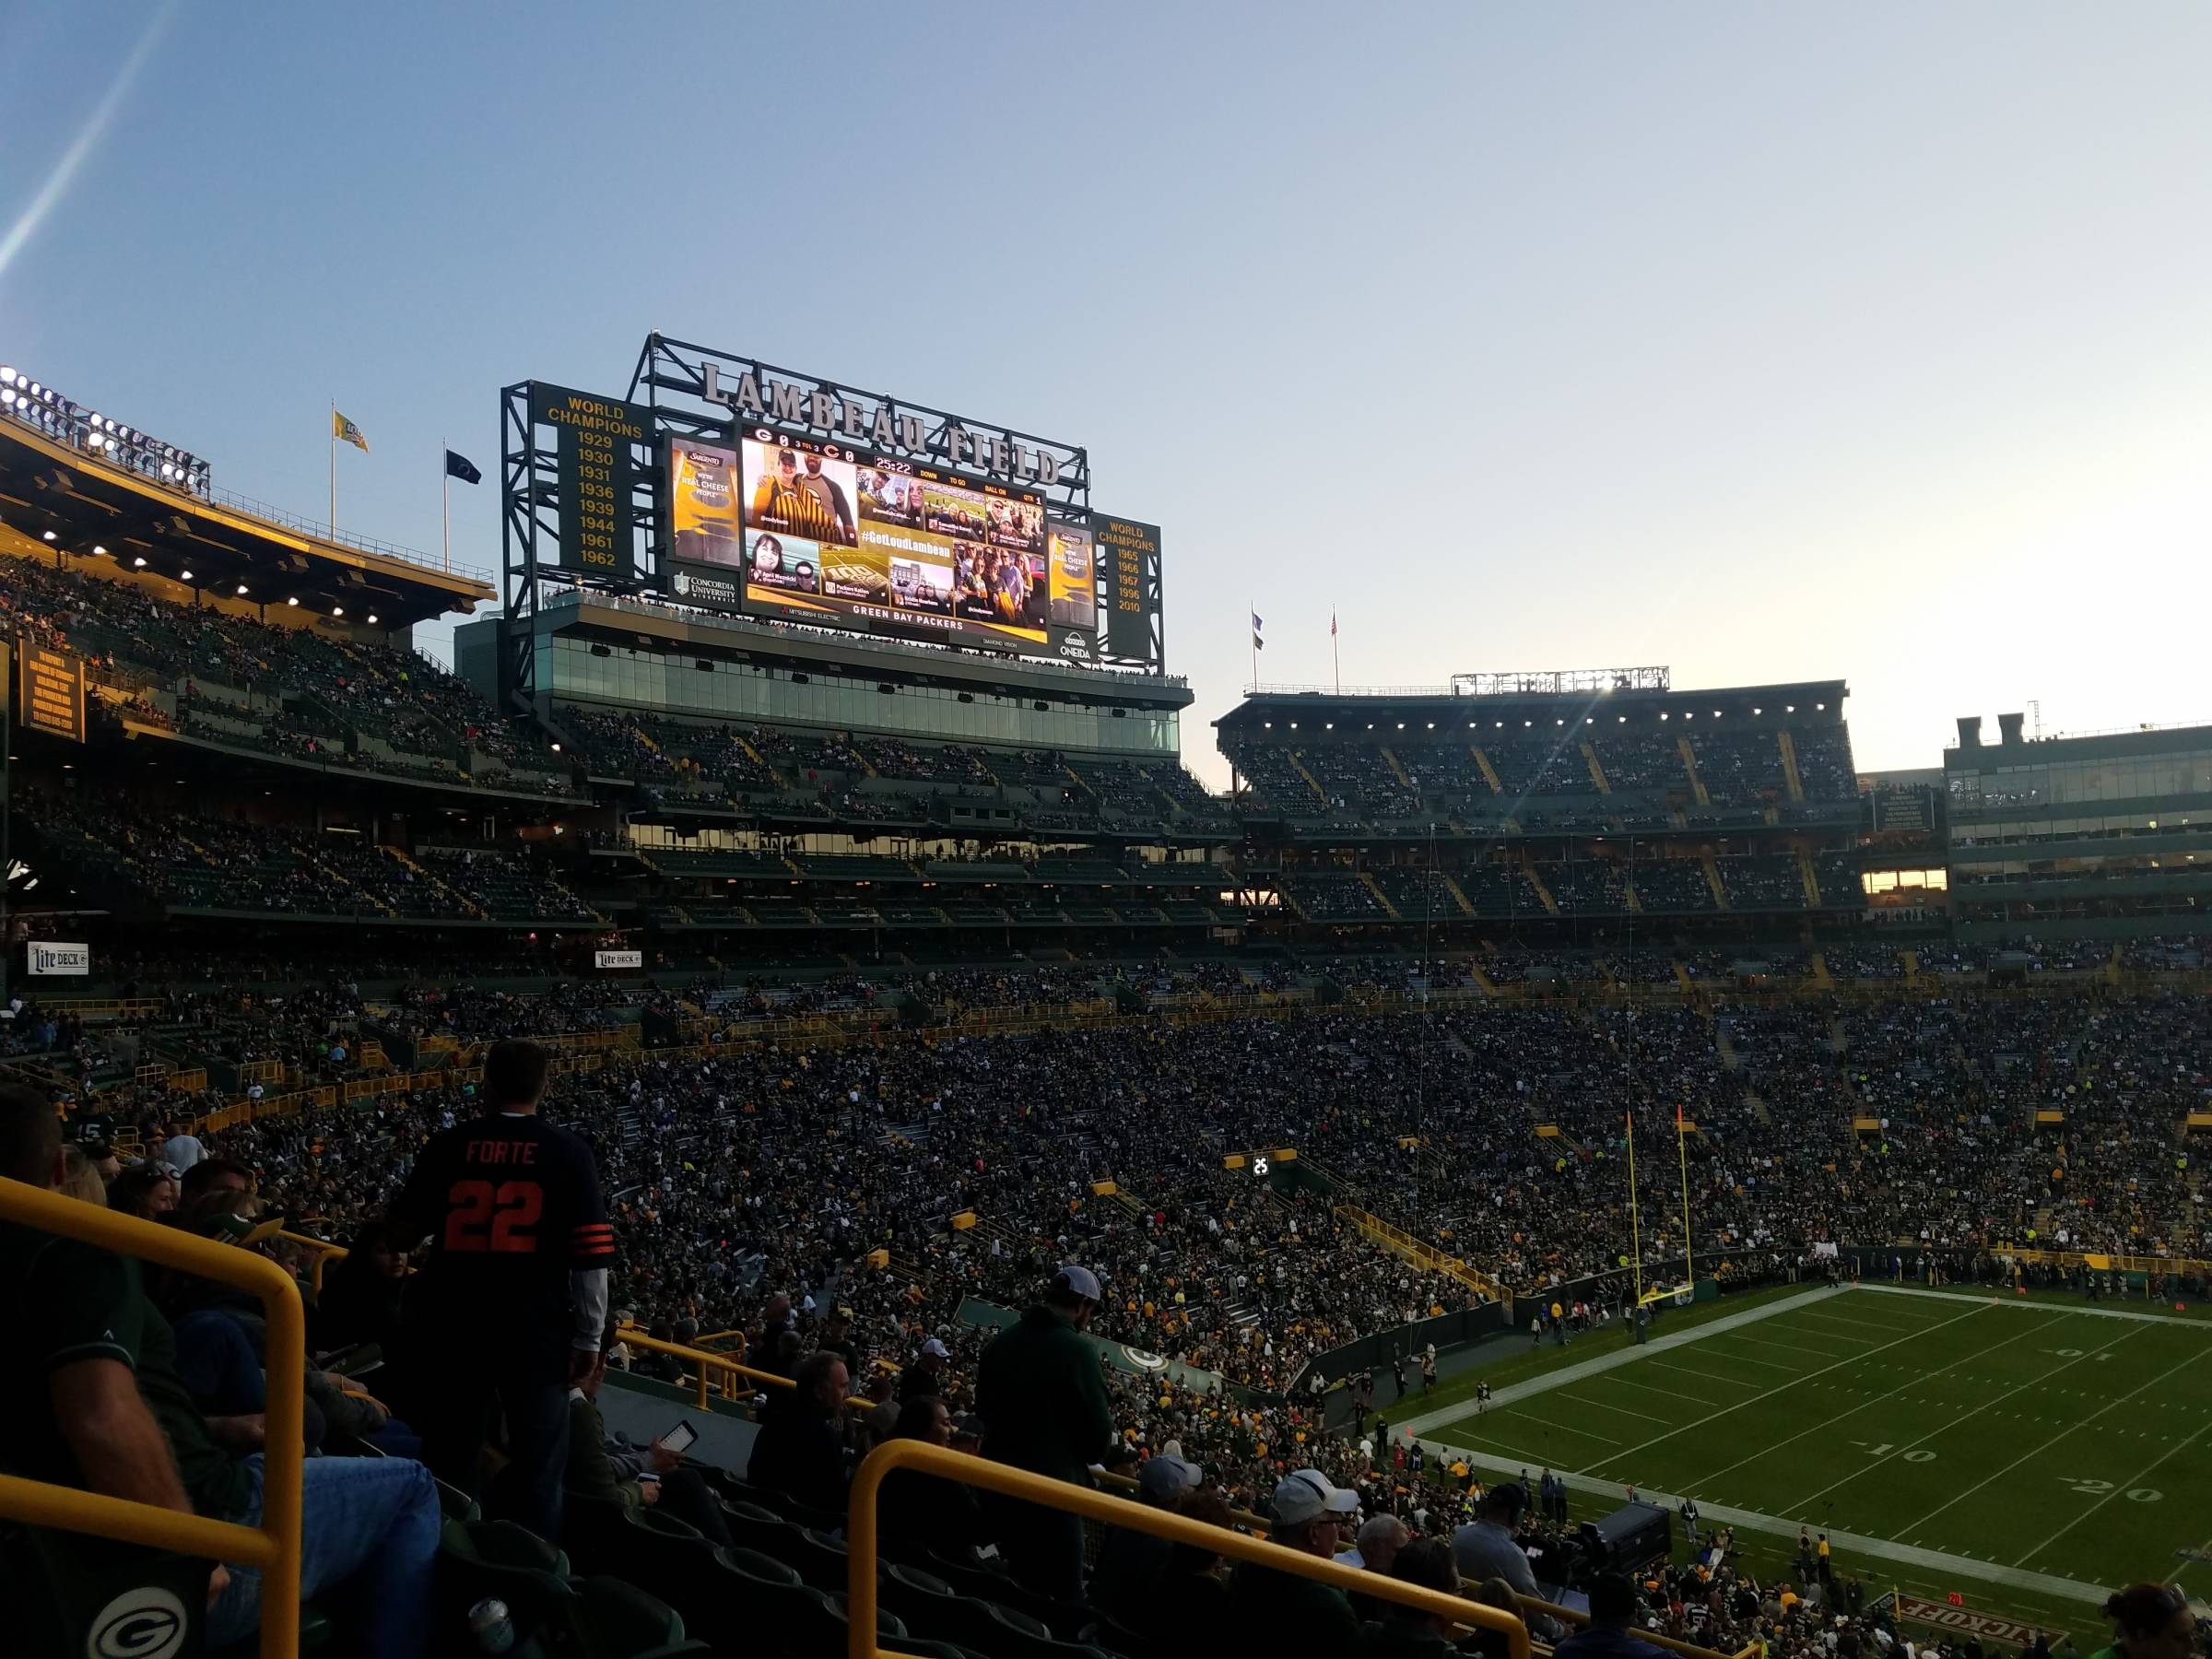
(727, 485)
(50, 691)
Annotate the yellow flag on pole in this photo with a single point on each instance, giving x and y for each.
(346, 432)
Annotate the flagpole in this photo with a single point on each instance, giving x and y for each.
(334, 469)
(1252, 610)
(445, 499)
(1334, 661)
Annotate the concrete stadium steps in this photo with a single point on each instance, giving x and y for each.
(1689, 765)
(1791, 779)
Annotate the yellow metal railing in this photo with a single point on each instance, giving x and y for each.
(324, 1252)
(924, 1458)
(1401, 1242)
(273, 1548)
(707, 1361)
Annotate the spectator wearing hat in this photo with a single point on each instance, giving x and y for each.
(926, 1375)
(2149, 1621)
(1286, 1612)
(1129, 1563)
(1608, 1635)
(1039, 1390)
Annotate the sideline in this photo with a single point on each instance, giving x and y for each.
(1857, 1544)
(2043, 1307)
(1629, 1355)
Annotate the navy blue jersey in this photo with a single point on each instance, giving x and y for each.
(510, 1205)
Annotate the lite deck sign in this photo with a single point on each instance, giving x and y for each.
(51, 693)
(597, 473)
(48, 956)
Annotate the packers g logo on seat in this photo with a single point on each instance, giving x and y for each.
(144, 1622)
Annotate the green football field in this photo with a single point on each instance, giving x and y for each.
(2022, 1438)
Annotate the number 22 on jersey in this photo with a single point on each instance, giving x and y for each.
(502, 1220)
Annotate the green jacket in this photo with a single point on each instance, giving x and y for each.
(591, 1473)
(1042, 1399)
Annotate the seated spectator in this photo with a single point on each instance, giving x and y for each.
(919, 1511)
(1609, 1634)
(1284, 1612)
(80, 1178)
(94, 1402)
(147, 1191)
(1191, 1603)
(1129, 1563)
(797, 1451)
(611, 1471)
(360, 1297)
(2149, 1621)
(1407, 1632)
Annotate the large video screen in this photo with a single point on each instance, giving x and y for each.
(841, 536)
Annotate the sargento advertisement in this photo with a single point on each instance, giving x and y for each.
(847, 538)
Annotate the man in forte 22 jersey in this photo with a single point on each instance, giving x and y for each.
(510, 1303)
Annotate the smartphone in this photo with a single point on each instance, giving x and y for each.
(679, 1439)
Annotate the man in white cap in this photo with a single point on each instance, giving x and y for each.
(926, 1375)
(1129, 1563)
(1286, 1612)
(1043, 1402)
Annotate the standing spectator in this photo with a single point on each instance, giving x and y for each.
(926, 1375)
(797, 1451)
(1044, 1402)
(1484, 1547)
(511, 1304)
(1289, 1613)
(179, 1147)
(836, 1339)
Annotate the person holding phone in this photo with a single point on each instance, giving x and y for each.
(611, 1470)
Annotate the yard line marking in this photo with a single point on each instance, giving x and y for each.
(1803, 1504)
(1830, 1422)
(1783, 1347)
(1675, 1394)
(1795, 1370)
(2069, 1429)
(1708, 1376)
(1858, 1325)
(1603, 1439)
(1624, 1411)
(1770, 1392)
(2141, 1476)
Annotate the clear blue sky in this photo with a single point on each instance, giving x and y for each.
(1869, 341)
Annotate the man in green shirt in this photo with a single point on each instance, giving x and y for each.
(1044, 1407)
(91, 1399)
